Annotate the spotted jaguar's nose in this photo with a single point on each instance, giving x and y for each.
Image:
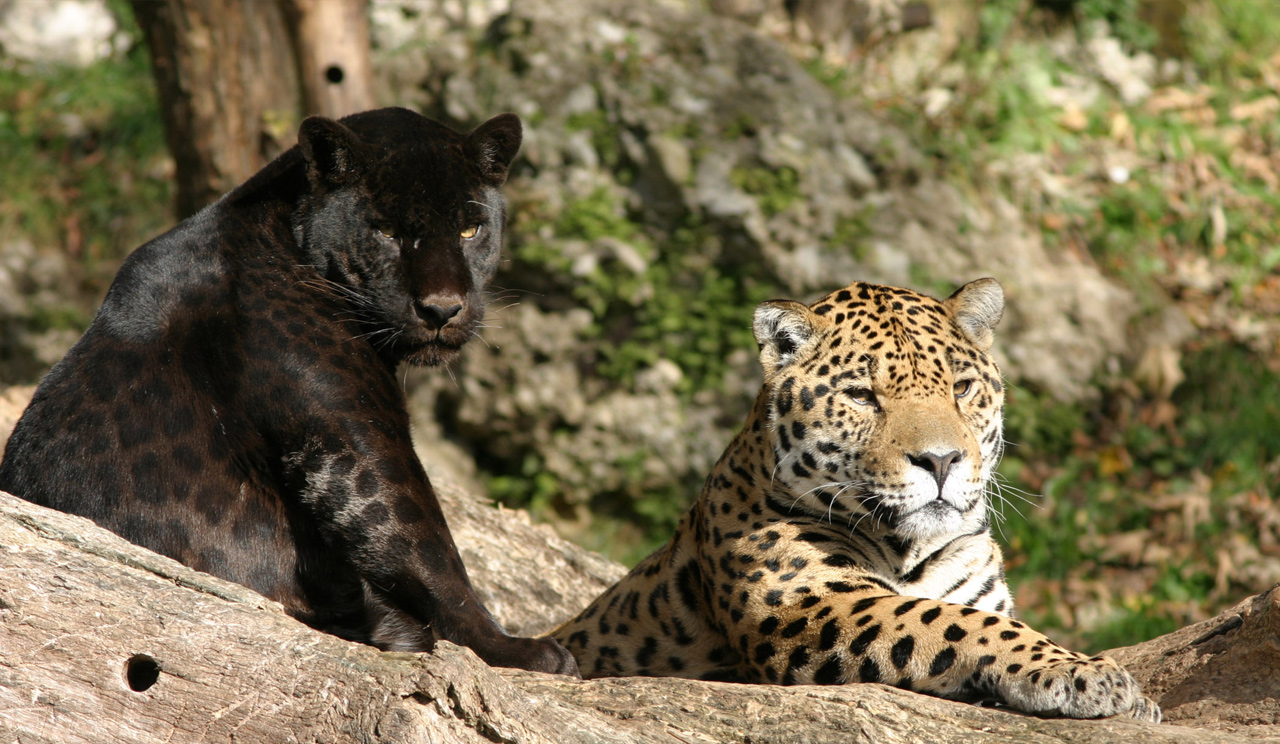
(437, 316)
(937, 465)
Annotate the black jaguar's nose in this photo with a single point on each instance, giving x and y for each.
(435, 316)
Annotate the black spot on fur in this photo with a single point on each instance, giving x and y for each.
(829, 673)
(863, 605)
(864, 640)
(795, 627)
(902, 650)
(830, 633)
(943, 661)
(906, 607)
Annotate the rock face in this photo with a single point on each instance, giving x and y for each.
(66, 32)
(678, 168)
(38, 322)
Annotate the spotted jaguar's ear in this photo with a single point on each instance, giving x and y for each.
(781, 328)
(494, 145)
(977, 308)
(333, 152)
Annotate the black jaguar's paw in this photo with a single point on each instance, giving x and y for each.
(536, 655)
(556, 659)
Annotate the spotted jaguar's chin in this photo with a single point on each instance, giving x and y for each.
(937, 517)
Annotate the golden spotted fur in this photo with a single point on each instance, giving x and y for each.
(844, 535)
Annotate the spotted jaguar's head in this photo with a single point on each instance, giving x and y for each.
(885, 405)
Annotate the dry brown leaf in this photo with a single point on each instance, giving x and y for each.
(1255, 166)
(1259, 109)
(1173, 98)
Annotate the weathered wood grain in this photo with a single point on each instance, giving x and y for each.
(77, 604)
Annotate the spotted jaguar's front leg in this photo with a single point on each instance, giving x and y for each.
(943, 649)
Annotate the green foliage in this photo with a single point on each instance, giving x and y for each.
(1230, 404)
(85, 157)
(1099, 478)
(604, 134)
(1040, 425)
(996, 19)
(1229, 39)
(680, 307)
(835, 77)
(683, 306)
(1124, 19)
(775, 189)
(58, 318)
(531, 487)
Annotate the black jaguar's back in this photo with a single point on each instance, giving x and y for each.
(234, 404)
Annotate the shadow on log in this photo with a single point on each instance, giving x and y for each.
(103, 641)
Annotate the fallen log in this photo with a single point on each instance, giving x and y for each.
(102, 641)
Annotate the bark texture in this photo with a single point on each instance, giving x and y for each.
(1222, 674)
(331, 41)
(228, 88)
(102, 641)
(235, 77)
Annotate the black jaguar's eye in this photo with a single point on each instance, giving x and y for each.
(962, 388)
(861, 396)
(470, 232)
(387, 231)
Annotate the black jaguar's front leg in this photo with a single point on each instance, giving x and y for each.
(432, 586)
(382, 513)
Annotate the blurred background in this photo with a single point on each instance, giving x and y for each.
(1113, 163)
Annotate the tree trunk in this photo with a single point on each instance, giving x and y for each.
(228, 89)
(102, 641)
(331, 42)
(236, 76)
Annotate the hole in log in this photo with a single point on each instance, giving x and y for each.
(334, 74)
(141, 672)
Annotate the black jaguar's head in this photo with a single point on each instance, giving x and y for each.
(405, 218)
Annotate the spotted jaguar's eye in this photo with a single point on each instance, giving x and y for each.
(387, 231)
(861, 396)
(470, 232)
(962, 388)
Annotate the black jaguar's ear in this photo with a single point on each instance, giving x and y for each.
(331, 150)
(781, 328)
(977, 307)
(494, 145)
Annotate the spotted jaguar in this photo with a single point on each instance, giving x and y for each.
(844, 536)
